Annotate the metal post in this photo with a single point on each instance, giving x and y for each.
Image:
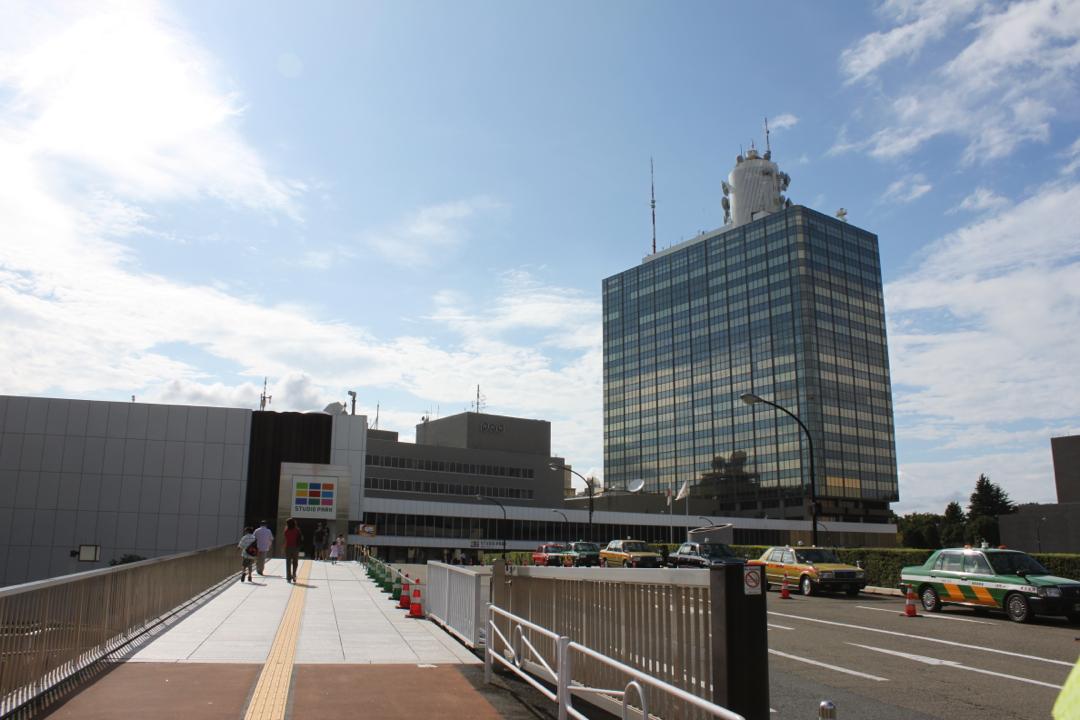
(563, 678)
(487, 645)
(826, 710)
(740, 652)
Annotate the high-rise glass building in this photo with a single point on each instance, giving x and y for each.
(785, 303)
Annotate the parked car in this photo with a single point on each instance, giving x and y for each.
(996, 578)
(703, 555)
(811, 569)
(550, 554)
(629, 553)
(581, 554)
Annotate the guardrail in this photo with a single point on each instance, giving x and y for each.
(52, 629)
(701, 631)
(519, 654)
(456, 599)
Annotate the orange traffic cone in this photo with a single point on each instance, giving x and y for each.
(403, 602)
(415, 606)
(909, 603)
(785, 593)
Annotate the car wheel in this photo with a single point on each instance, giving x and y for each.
(1018, 608)
(806, 586)
(852, 592)
(1073, 618)
(930, 600)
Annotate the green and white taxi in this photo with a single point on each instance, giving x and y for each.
(1009, 580)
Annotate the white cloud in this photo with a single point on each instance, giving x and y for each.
(923, 22)
(982, 199)
(80, 317)
(122, 92)
(783, 122)
(907, 189)
(429, 233)
(983, 343)
(998, 92)
(928, 486)
(1072, 155)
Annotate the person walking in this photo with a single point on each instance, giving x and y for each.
(293, 537)
(249, 550)
(322, 534)
(264, 540)
(337, 550)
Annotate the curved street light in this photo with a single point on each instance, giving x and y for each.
(565, 519)
(590, 489)
(752, 399)
(501, 507)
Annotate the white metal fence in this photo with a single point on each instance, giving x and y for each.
(456, 598)
(528, 650)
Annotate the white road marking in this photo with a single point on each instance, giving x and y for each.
(779, 627)
(954, 664)
(837, 668)
(935, 617)
(923, 637)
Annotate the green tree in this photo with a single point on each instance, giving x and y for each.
(982, 528)
(920, 530)
(989, 500)
(952, 526)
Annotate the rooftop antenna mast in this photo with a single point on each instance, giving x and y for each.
(652, 203)
(264, 399)
(376, 416)
(768, 148)
(479, 400)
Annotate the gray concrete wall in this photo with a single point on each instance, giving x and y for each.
(130, 477)
(1066, 452)
(480, 431)
(1042, 528)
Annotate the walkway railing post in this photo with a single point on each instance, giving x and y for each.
(488, 619)
(564, 677)
(740, 651)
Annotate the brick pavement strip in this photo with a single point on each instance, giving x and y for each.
(270, 697)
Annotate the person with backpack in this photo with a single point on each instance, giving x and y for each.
(293, 538)
(249, 551)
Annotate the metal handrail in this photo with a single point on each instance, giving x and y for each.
(561, 674)
(52, 629)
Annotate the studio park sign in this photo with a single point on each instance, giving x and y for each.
(314, 497)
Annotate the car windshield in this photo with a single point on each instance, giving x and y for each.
(635, 547)
(554, 548)
(586, 547)
(816, 555)
(716, 550)
(1014, 563)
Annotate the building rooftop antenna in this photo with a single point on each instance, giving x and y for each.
(652, 203)
(768, 147)
(264, 399)
(480, 400)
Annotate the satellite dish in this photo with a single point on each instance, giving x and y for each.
(635, 485)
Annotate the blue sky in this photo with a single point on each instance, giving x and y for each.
(410, 199)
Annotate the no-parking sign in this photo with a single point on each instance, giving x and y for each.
(751, 579)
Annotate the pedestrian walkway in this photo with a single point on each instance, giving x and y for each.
(332, 642)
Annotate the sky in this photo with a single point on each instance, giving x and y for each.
(411, 199)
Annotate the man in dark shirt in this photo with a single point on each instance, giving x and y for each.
(321, 536)
(293, 537)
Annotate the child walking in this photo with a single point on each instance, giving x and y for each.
(337, 550)
(249, 550)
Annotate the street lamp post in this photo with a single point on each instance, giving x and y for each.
(501, 507)
(567, 520)
(590, 489)
(751, 399)
(1038, 535)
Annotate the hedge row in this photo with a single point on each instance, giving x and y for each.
(882, 565)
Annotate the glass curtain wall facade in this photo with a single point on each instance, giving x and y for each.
(788, 307)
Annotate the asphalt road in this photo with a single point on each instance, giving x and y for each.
(865, 656)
